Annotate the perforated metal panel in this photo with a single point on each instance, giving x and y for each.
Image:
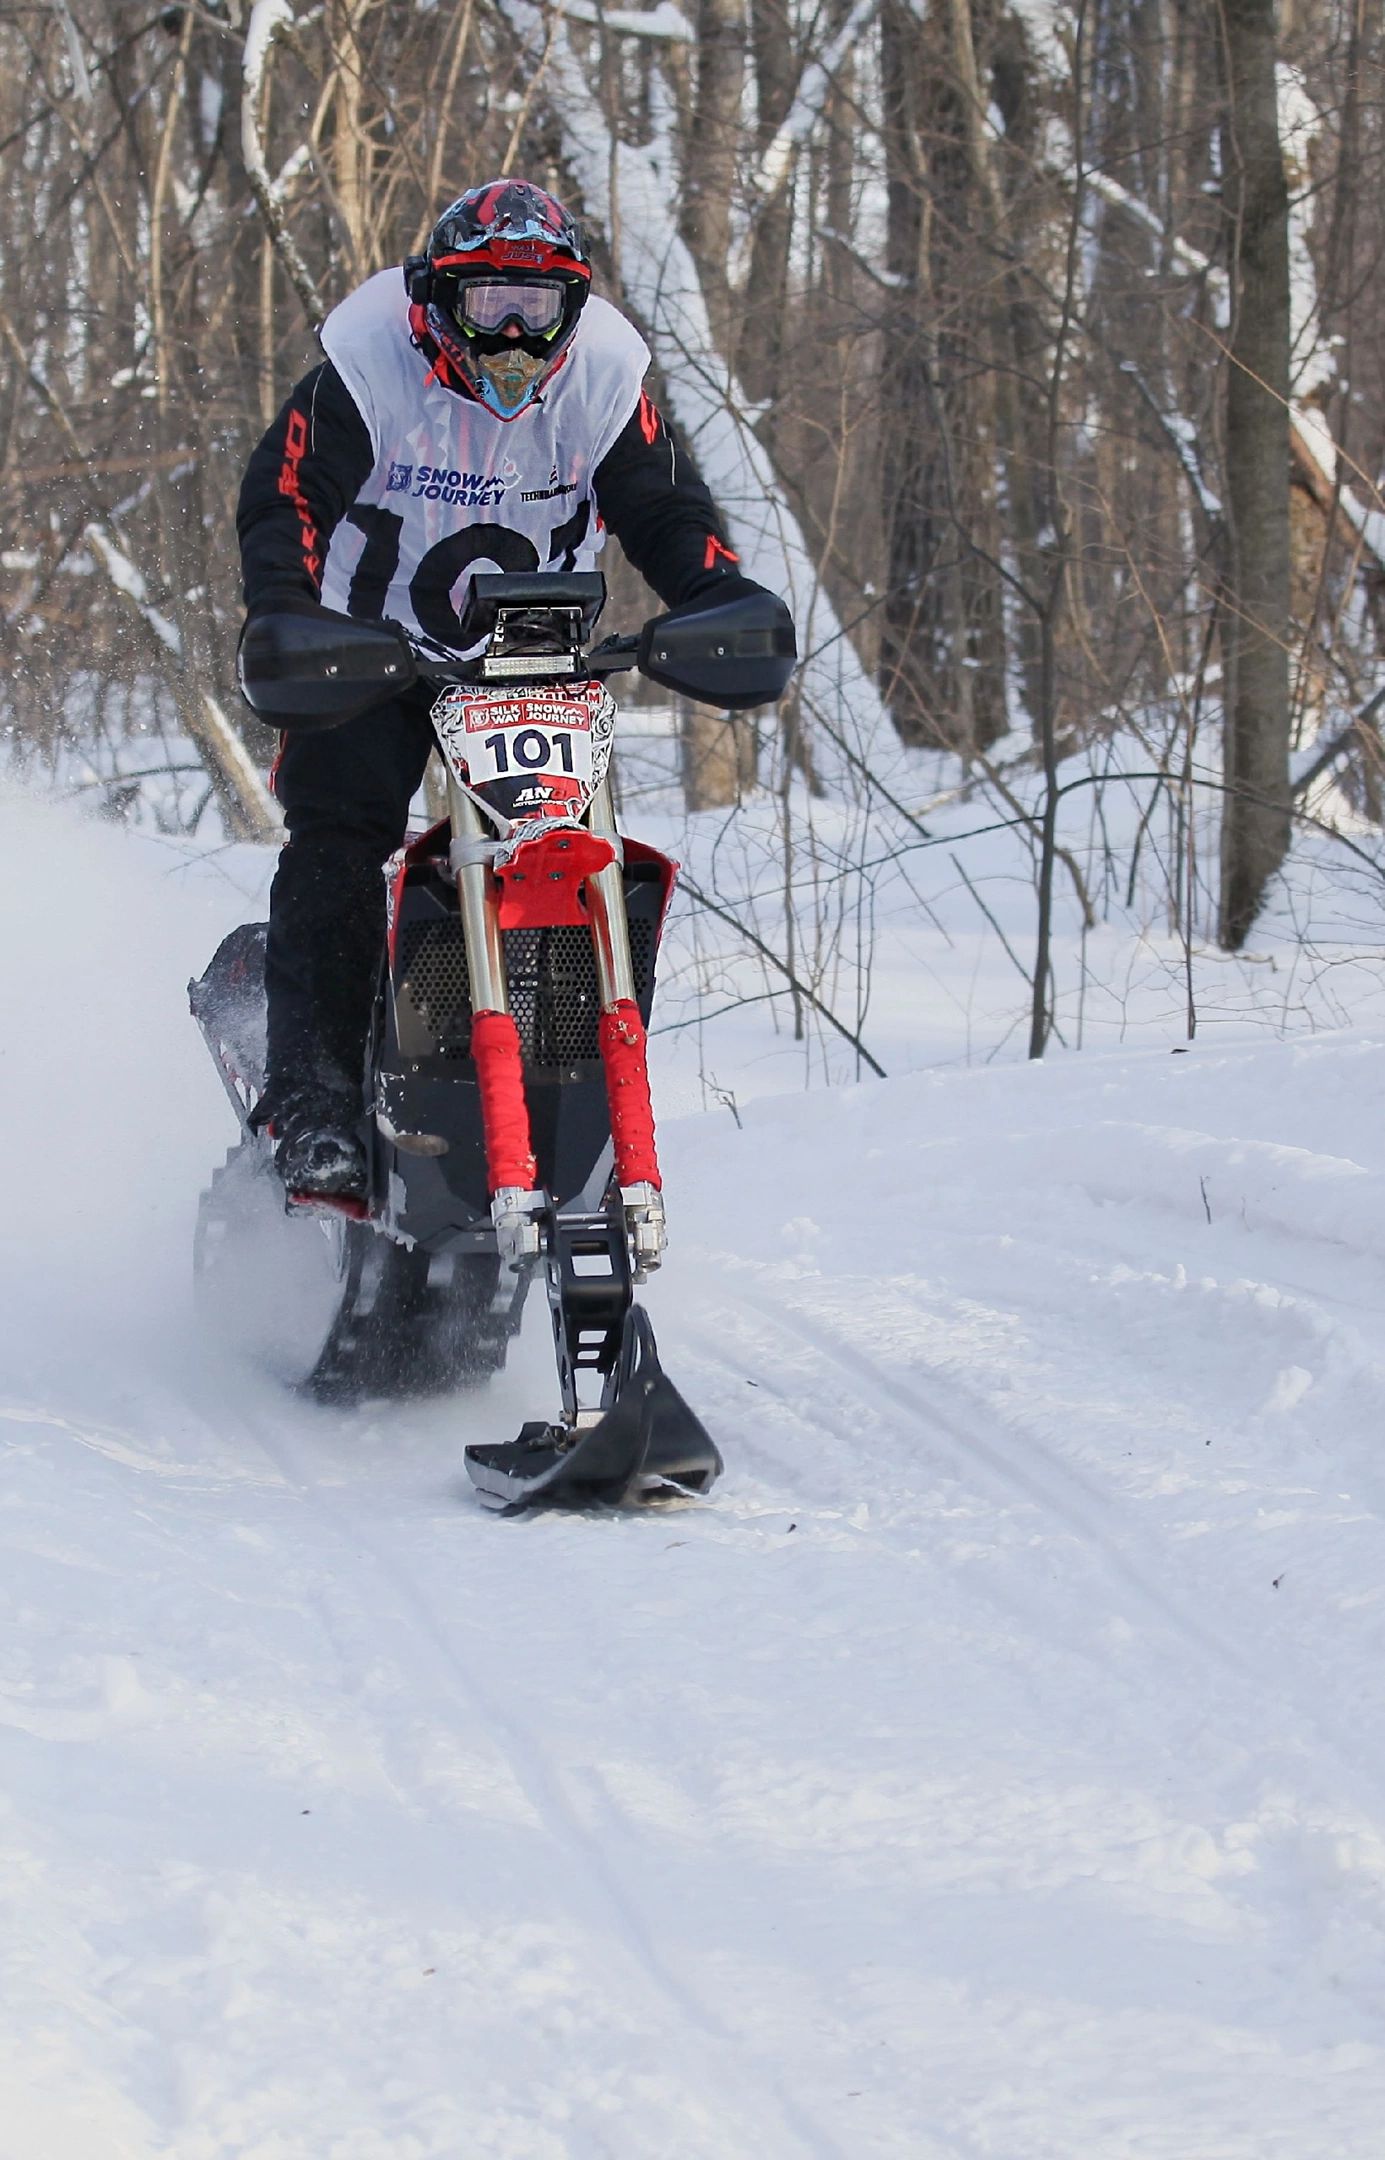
(553, 990)
(431, 985)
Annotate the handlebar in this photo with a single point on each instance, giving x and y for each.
(613, 656)
(317, 668)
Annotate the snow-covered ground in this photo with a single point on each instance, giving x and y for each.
(993, 1766)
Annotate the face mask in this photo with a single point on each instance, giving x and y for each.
(510, 373)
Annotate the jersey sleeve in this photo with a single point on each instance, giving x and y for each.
(302, 478)
(652, 497)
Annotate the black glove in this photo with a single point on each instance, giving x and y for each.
(718, 588)
(282, 600)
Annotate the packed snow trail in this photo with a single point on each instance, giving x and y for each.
(993, 1767)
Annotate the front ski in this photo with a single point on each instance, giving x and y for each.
(646, 1445)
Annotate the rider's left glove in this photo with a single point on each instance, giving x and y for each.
(718, 588)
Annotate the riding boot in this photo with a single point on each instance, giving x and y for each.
(346, 793)
(326, 929)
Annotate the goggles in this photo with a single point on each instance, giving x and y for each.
(485, 305)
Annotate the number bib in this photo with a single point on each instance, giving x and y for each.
(455, 489)
(528, 753)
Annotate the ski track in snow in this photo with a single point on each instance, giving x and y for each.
(540, 1783)
(992, 1768)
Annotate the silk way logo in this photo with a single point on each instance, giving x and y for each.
(401, 476)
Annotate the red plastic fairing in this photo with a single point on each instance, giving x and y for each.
(637, 851)
(542, 883)
(425, 848)
(627, 1092)
(504, 1107)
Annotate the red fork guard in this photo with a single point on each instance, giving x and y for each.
(541, 884)
(495, 1049)
(623, 1053)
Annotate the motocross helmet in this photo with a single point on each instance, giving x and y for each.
(502, 285)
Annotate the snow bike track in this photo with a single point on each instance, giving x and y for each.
(993, 1766)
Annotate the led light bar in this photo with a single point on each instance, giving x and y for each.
(527, 667)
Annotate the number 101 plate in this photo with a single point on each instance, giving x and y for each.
(560, 736)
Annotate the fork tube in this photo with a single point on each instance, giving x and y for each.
(623, 1051)
(615, 970)
(485, 947)
(511, 1169)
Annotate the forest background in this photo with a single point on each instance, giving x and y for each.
(1035, 351)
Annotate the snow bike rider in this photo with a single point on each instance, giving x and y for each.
(394, 467)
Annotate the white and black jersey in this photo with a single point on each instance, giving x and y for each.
(383, 485)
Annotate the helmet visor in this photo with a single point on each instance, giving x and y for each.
(485, 305)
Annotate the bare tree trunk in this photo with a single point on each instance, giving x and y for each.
(1022, 414)
(943, 637)
(1256, 823)
(760, 349)
(710, 153)
(1058, 521)
(351, 159)
(904, 397)
(716, 756)
(716, 751)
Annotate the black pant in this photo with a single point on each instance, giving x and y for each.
(345, 794)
